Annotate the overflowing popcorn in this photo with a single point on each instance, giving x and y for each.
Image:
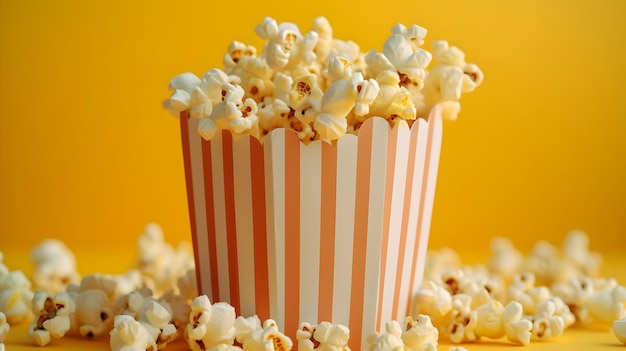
(322, 87)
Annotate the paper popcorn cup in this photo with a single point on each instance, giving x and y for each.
(311, 233)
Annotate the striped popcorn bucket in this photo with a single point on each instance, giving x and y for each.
(311, 233)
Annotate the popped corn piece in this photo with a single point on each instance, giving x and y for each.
(448, 79)
(15, 297)
(505, 259)
(419, 334)
(324, 336)
(434, 301)
(54, 266)
(457, 348)
(336, 104)
(606, 306)
(392, 101)
(546, 323)
(210, 325)
(286, 48)
(517, 329)
(619, 330)
(52, 316)
(93, 313)
(4, 329)
(183, 85)
(177, 306)
(187, 285)
(130, 335)
(576, 251)
(160, 263)
(461, 326)
(389, 340)
(488, 320)
(245, 326)
(267, 338)
(400, 55)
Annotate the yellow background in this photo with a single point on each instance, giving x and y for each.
(87, 154)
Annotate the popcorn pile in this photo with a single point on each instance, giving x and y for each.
(512, 296)
(101, 304)
(521, 298)
(322, 87)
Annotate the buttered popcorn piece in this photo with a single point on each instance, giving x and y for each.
(267, 338)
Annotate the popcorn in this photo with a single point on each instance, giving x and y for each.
(267, 338)
(419, 333)
(390, 340)
(4, 330)
(619, 330)
(324, 336)
(15, 296)
(448, 79)
(159, 263)
(52, 316)
(55, 266)
(130, 335)
(93, 314)
(245, 326)
(546, 323)
(322, 87)
(210, 325)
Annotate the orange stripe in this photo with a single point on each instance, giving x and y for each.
(327, 235)
(408, 193)
(292, 233)
(231, 223)
(184, 133)
(261, 274)
(210, 218)
(391, 164)
(364, 151)
(421, 207)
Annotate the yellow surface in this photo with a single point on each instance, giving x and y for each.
(597, 337)
(87, 154)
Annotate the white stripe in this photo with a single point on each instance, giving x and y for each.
(197, 176)
(375, 225)
(344, 227)
(243, 218)
(395, 221)
(274, 156)
(421, 129)
(221, 246)
(433, 165)
(310, 215)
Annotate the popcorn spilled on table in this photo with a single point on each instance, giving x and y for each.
(509, 296)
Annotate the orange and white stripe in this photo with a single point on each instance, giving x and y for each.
(314, 232)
